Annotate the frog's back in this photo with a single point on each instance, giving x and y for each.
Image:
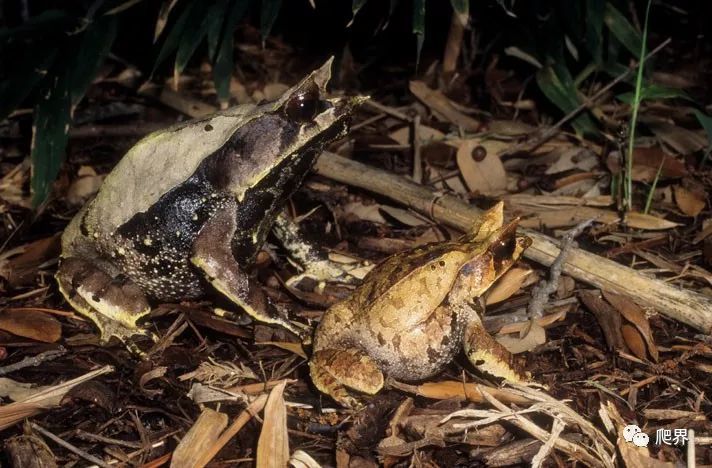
(158, 163)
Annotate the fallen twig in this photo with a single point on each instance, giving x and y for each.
(32, 361)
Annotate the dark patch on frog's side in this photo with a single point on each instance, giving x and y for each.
(162, 268)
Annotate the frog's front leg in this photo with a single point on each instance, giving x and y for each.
(333, 370)
(486, 353)
(212, 254)
(113, 303)
(313, 259)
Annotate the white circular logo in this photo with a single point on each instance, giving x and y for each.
(641, 439)
(629, 431)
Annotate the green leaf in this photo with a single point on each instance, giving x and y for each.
(95, 43)
(268, 15)
(419, 27)
(64, 87)
(706, 122)
(622, 29)
(594, 29)
(49, 135)
(27, 73)
(652, 92)
(47, 22)
(461, 7)
(193, 33)
(216, 17)
(356, 5)
(170, 44)
(557, 86)
(222, 70)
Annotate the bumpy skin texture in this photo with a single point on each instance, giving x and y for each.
(190, 206)
(413, 313)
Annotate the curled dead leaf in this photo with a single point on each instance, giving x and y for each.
(689, 202)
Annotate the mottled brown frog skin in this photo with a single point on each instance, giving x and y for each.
(415, 311)
(187, 208)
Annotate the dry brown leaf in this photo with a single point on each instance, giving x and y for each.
(565, 216)
(646, 162)
(508, 284)
(706, 231)
(608, 318)
(486, 176)
(439, 103)
(634, 340)
(21, 270)
(46, 398)
(365, 212)
(634, 314)
(31, 324)
(680, 139)
(273, 91)
(426, 135)
(455, 389)
(516, 345)
(204, 432)
(689, 202)
(273, 444)
(295, 348)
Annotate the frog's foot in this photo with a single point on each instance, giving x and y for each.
(489, 356)
(332, 370)
(113, 304)
(326, 270)
(313, 259)
(212, 254)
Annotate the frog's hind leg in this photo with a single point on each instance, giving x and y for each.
(212, 254)
(114, 304)
(332, 370)
(486, 353)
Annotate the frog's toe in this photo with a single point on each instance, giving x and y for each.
(113, 304)
(333, 370)
(489, 356)
(327, 270)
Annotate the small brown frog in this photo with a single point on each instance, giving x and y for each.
(415, 311)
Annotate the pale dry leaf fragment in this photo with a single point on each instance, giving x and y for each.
(204, 432)
(273, 444)
(425, 134)
(486, 176)
(439, 103)
(689, 202)
(507, 285)
(45, 398)
(301, 459)
(364, 212)
(405, 217)
(535, 337)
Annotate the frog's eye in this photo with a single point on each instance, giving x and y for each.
(503, 249)
(304, 106)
